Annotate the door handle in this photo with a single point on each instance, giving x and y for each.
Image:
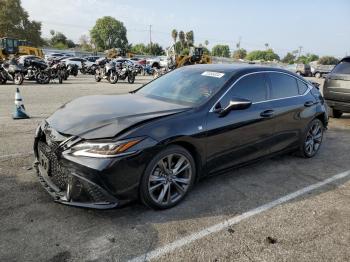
(309, 103)
(267, 113)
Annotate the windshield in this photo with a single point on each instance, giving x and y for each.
(189, 86)
(342, 68)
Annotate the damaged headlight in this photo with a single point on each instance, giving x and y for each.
(104, 149)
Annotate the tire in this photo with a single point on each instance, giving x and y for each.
(18, 79)
(60, 79)
(113, 77)
(311, 139)
(318, 75)
(97, 77)
(298, 73)
(131, 78)
(156, 181)
(334, 113)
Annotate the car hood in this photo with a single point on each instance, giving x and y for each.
(103, 116)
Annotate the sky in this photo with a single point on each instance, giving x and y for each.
(321, 27)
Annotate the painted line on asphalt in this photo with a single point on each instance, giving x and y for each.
(16, 155)
(234, 220)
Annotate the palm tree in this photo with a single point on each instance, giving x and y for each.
(267, 45)
(174, 35)
(190, 38)
(206, 42)
(182, 38)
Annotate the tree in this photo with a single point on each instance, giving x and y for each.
(58, 37)
(221, 50)
(266, 55)
(189, 38)
(328, 60)
(306, 59)
(267, 46)
(140, 49)
(182, 38)
(289, 58)
(14, 22)
(155, 49)
(239, 53)
(206, 42)
(109, 33)
(174, 35)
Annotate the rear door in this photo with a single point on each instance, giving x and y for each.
(337, 83)
(289, 102)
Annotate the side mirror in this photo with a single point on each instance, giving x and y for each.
(234, 104)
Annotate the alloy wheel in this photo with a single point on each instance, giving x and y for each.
(313, 138)
(170, 179)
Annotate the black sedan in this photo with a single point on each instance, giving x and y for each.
(156, 142)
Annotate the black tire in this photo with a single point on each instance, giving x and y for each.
(97, 77)
(312, 139)
(19, 78)
(113, 77)
(131, 78)
(334, 113)
(60, 79)
(318, 75)
(145, 186)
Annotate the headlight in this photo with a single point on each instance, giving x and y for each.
(104, 149)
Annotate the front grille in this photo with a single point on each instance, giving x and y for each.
(56, 172)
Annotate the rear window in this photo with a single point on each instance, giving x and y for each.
(342, 68)
(283, 86)
(302, 87)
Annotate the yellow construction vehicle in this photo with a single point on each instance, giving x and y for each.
(12, 46)
(117, 52)
(196, 56)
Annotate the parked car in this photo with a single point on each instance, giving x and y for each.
(336, 89)
(92, 58)
(77, 61)
(319, 71)
(156, 142)
(54, 56)
(300, 69)
(153, 62)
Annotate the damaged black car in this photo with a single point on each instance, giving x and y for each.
(154, 143)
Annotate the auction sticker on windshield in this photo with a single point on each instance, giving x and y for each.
(213, 74)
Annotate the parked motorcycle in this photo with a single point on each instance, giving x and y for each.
(57, 70)
(106, 69)
(36, 70)
(12, 71)
(127, 70)
(72, 70)
(85, 69)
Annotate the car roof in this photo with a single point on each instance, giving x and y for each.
(238, 68)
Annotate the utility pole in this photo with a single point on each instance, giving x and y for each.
(300, 47)
(150, 37)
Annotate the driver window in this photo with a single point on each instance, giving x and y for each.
(252, 87)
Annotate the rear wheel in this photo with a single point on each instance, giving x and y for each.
(312, 139)
(168, 178)
(19, 77)
(97, 76)
(335, 113)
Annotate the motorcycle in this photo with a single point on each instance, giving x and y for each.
(12, 71)
(57, 70)
(106, 69)
(72, 70)
(147, 69)
(127, 70)
(36, 70)
(87, 69)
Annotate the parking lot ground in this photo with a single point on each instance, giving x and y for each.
(312, 227)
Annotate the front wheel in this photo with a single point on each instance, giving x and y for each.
(19, 77)
(168, 178)
(97, 76)
(113, 77)
(318, 75)
(131, 78)
(312, 139)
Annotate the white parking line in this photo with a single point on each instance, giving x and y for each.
(16, 155)
(234, 220)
